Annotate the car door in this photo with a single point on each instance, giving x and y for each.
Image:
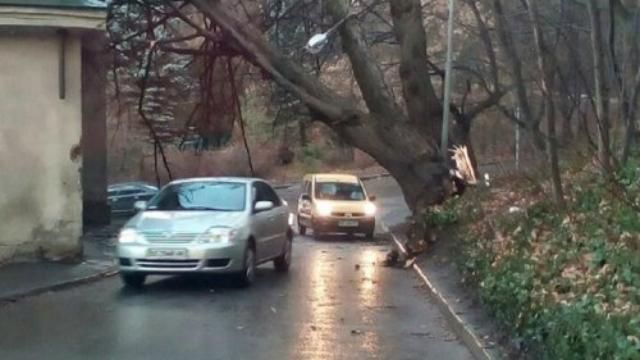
(261, 224)
(279, 220)
(304, 200)
(274, 230)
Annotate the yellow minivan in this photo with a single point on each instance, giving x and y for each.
(336, 203)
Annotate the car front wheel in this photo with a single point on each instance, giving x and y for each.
(248, 274)
(133, 280)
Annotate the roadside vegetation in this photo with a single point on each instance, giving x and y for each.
(564, 281)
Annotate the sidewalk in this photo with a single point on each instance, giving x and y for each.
(20, 280)
(459, 306)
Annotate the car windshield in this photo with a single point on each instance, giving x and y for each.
(202, 195)
(339, 191)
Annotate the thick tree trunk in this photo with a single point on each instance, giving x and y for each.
(405, 145)
(630, 114)
(601, 87)
(506, 41)
(632, 87)
(302, 130)
(546, 71)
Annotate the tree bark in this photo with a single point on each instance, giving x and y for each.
(417, 89)
(601, 87)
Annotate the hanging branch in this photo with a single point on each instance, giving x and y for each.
(145, 119)
(236, 100)
(155, 163)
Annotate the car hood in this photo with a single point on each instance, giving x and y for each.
(184, 221)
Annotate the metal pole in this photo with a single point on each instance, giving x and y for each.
(447, 83)
(518, 140)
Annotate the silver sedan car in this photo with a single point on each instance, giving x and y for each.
(206, 225)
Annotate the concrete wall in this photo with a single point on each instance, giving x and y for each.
(40, 152)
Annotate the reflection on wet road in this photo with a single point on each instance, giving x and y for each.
(337, 303)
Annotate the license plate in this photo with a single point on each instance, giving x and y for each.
(348, 223)
(167, 253)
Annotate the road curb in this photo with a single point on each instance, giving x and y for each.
(60, 285)
(460, 327)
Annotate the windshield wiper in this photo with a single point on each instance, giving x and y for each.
(207, 208)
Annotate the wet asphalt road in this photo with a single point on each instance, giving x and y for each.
(337, 302)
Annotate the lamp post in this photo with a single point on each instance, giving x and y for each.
(318, 41)
(447, 82)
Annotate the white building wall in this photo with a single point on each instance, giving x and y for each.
(40, 188)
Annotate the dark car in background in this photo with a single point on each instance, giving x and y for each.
(123, 196)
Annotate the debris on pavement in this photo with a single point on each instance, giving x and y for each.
(391, 259)
(421, 334)
(357, 267)
(356, 332)
(273, 310)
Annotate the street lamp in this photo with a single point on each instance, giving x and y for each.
(318, 41)
(448, 73)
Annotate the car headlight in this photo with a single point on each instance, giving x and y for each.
(323, 209)
(128, 236)
(218, 235)
(369, 209)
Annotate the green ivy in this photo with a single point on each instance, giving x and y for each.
(599, 231)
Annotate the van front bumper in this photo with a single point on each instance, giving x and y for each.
(331, 224)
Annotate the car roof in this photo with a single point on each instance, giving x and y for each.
(343, 178)
(130, 184)
(245, 180)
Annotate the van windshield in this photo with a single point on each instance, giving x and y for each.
(339, 191)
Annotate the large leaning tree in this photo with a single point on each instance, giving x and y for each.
(400, 131)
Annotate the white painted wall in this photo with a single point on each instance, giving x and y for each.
(40, 189)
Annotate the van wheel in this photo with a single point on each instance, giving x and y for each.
(370, 234)
(302, 230)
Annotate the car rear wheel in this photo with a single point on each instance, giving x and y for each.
(133, 280)
(248, 274)
(283, 262)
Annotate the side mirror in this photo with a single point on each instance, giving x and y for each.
(305, 197)
(263, 206)
(140, 205)
(372, 198)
